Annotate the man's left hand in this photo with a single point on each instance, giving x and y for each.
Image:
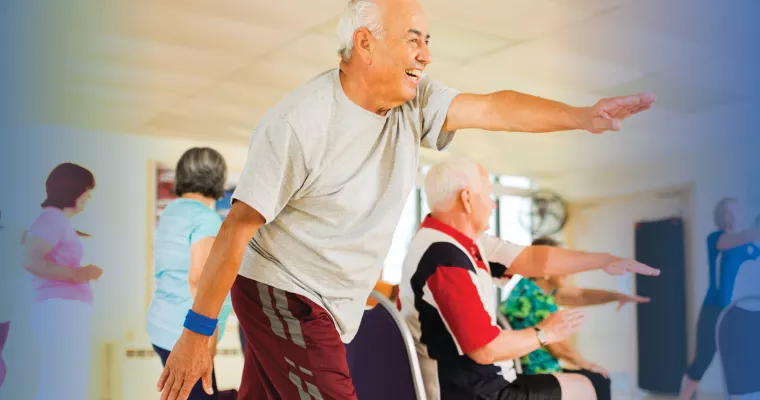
(620, 266)
(608, 114)
(625, 299)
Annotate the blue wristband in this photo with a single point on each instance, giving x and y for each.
(200, 324)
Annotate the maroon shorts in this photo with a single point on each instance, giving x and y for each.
(293, 350)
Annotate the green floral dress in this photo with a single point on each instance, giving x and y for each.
(526, 306)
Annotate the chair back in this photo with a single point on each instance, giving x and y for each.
(382, 358)
(736, 336)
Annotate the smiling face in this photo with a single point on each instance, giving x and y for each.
(401, 55)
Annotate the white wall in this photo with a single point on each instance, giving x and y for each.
(117, 216)
(710, 178)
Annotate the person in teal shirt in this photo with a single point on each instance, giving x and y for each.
(533, 300)
(186, 231)
(727, 249)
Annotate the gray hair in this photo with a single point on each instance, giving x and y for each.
(358, 14)
(201, 170)
(447, 179)
(720, 213)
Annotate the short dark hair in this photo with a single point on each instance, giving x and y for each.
(201, 170)
(65, 184)
(545, 241)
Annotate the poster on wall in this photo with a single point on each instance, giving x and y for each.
(165, 192)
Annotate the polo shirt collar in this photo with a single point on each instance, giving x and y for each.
(432, 223)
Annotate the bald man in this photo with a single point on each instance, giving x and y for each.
(449, 301)
(323, 188)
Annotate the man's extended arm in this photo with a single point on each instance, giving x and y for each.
(577, 297)
(538, 261)
(518, 112)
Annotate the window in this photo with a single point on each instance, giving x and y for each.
(504, 222)
(405, 230)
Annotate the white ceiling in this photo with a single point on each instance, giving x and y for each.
(209, 70)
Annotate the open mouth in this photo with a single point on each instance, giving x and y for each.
(414, 75)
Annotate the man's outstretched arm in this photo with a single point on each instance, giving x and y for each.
(509, 259)
(518, 112)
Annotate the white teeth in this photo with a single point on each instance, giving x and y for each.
(414, 72)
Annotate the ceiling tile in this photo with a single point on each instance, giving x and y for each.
(207, 32)
(283, 75)
(463, 44)
(510, 19)
(635, 48)
(232, 101)
(542, 62)
(594, 6)
(700, 21)
(161, 57)
(194, 126)
(315, 50)
(292, 15)
(675, 95)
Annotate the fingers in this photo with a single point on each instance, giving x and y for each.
(642, 269)
(162, 380)
(641, 299)
(166, 390)
(570, 322)
(185, 389)
(206, 381)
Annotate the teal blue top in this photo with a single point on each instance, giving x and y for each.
(724, 267)
(526, 306)
(182, 223)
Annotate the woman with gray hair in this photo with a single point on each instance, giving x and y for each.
(186, 231)
(727, 249)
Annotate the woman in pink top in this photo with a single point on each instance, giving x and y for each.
(61, 313)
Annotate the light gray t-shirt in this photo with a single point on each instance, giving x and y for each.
(331, 179)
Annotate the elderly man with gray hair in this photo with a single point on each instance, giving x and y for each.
(449, 298)
(320, 196)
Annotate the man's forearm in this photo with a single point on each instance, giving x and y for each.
(507, 346)
(593, 297)
(576, 297)
(519, 112)
(221, 270)
(538, 261)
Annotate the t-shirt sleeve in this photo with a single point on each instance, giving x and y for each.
(456, 296)
(500, 254)
(207, 226)
(435, 99)
(274, 171)
(50, 226)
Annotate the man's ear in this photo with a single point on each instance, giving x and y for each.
(363, 44)
(465, 196)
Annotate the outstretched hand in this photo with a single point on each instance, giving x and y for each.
(625, 299)
(608, 114)
(621, 266)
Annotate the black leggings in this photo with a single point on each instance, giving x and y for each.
(708, 321)
(198, 393)
(602, 385)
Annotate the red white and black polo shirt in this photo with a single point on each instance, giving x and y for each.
(448, 289)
